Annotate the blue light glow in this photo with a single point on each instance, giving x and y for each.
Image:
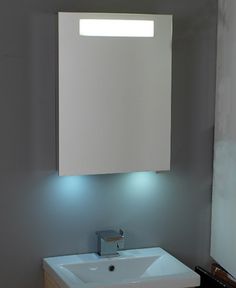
(68, 187)
(141, 183)
(73, 188)
(142, 179)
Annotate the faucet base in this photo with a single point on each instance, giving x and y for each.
(108, 255)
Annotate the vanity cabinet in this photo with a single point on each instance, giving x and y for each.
(114, 93)
(49, 281)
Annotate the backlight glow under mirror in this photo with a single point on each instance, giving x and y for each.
(116, 28)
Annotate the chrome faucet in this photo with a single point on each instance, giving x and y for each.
(109, 242)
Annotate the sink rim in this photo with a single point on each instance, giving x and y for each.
(55, 266)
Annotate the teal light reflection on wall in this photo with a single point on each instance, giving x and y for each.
(68, 188)
(140, 184)
(141, 179)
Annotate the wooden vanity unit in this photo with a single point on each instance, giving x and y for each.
(49, 281)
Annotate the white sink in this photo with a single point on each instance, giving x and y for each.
(141, 268)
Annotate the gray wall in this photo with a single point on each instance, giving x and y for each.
(44, 215)
(224, 193)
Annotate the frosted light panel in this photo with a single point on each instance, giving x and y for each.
(116, 28)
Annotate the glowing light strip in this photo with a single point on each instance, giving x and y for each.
(116, 28)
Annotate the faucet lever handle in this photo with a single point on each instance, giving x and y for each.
(110, 235)
(120, 243)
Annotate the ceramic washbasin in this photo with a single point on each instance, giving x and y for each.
(140, 268)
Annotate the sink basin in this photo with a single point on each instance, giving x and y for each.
(140, 268)
(113, 270)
